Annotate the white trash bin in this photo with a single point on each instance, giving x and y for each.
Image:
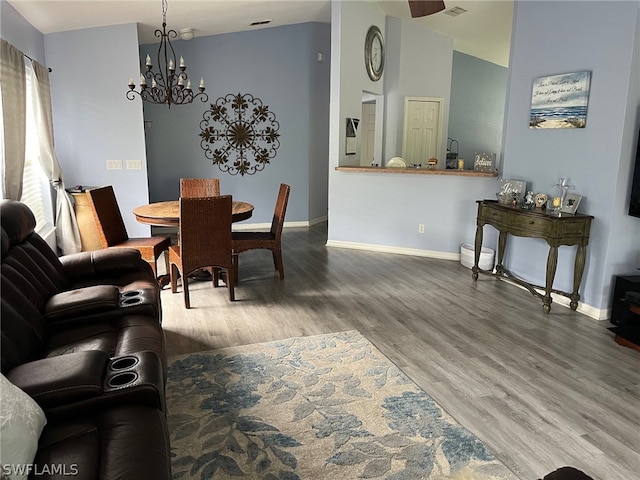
(467, 257)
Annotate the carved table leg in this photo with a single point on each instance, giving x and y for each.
(578, 270)
(502, 242)
(552, 263)
(476, 252)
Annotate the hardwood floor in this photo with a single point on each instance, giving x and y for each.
(542, 391)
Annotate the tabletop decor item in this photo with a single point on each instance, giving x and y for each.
(484, 162)
(560, 101)
(452, 153)
(239, 124)
(560, 190)
(571, 202)
(540, 200)
(510, 191)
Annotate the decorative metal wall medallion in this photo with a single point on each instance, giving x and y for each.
(239, 124)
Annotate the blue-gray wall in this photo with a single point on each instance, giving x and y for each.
(557, 37)
(16, 30)
(280, 67)
(93, 121)
(478, 94)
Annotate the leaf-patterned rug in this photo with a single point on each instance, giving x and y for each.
(322, 407)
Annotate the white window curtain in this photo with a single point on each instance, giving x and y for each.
(67, 233)
(14, 101)
(14, 109)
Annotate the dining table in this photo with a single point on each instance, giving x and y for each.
(167, 213)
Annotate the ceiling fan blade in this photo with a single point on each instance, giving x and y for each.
(422, 8)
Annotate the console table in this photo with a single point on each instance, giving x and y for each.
(556, 228)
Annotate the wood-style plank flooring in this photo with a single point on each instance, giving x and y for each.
(542, 391)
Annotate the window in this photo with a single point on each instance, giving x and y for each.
(36, 191)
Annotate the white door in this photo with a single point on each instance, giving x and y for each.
(421, 131)
(368, 135)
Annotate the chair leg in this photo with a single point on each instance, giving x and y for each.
(231, 278)
(174, 278)
(277, 261)
(185, 290)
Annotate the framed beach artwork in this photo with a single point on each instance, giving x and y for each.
(560, 101)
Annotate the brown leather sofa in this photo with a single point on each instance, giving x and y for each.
(82, 336)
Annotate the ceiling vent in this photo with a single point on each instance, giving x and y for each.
(261, 22)
(455, 11)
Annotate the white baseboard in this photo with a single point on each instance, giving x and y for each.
(266, 226)
(588, 310)
(397, 250)
(158, 230)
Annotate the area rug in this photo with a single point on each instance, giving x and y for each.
(321, 407)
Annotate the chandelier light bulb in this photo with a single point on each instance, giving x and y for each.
(149, 64)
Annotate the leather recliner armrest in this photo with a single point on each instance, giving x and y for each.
(81, 301)
(63, 379)
(97, 303)
(106, 262)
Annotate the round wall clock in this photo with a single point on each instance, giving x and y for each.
(374, 53)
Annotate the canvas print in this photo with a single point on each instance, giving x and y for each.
(560, 101)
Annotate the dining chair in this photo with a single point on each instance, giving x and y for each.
(199, 187)
(205, 241)
(271, 240)
(113, 233)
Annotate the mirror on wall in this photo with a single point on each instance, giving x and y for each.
(370, 131)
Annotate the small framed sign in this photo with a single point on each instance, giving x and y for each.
(508, 187)
(571, 203)
(484, 162)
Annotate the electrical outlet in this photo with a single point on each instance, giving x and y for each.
(134, 165)
(421, 228)
(114, 164)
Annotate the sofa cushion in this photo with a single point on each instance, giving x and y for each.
(126, 335)
(127, 442)
(21, 423)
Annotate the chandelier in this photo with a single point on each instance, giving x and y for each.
(168, 85)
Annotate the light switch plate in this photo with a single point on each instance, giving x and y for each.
(134, 165)
(114, 164)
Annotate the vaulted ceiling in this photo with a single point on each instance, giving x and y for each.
(483, 30)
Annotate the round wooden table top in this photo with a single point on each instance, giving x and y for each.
(168, 213)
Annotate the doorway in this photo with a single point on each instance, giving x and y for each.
(368, 134)
(422, 129)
